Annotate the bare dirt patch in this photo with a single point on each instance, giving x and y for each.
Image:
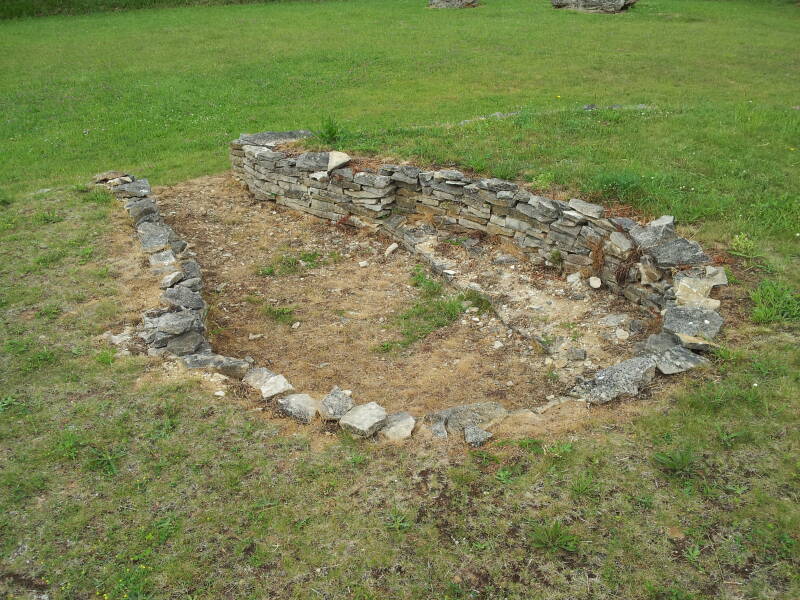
(345, 311)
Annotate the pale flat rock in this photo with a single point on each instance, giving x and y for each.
(335, 405)
(299, 406)
(364, 420)
(165, 258)
(586, 208)
(399, 426)
(183, 297)
(268, 383)
(171, 279)
(337, 160)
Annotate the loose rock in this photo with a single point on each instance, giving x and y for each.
(299, 406)
(335, 405)
(268, 383)
(364, 420)
(399, 426)
(475, 436)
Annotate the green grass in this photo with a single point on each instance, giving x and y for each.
(118, 483)
(13, 9)
(432, 311)
(717, 145)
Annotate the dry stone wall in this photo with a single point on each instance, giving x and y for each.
(638, 261)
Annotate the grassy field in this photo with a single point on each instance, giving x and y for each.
(15, 9)
(120, 483)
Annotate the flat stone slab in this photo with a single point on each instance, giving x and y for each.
(182, 296)
(154, 236)
(135, 189)
(452, 3)
(595, 6)
(335, 405)
(678, 252)
(677, 360)
(364, 420)
(398, 427)
(692, 321)
(475, 436)
(483, 414)
(627, 378)
(268, 383)
(299, 406)
(227, 365)
(272, 138)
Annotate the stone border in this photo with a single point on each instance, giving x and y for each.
(648, 264)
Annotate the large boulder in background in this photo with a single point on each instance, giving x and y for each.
(452, 3)
(596, 6)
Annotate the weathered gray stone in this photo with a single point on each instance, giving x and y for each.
(677, 252)
(107, 176)
(191, 269)
(142, 209)
(171, 279)
(456, 418)
(595, 6)
(313, 161)
(175, 323)
(399, 426)
(475, 436)
(627, 378)
(657, 343)
(268, 383)
(678, 360)
(586, 208)
(452, 3)
(364, 420)
(372, 180)
(183, 297)
(135, 189)
(154, 236)
(618, 244)
(162, 259)
(656, 232)
(195, 284)
(299, 406)
(271, 138)
(335, 405)
(695, 322)
(187, 343)
(231, 367)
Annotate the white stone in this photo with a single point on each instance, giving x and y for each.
(364, 420)
(268, 383)
(363, 264)
(337, 159)
(574, 277)
(595, 282)
(398, 427)
(392, 247)
(622, 334)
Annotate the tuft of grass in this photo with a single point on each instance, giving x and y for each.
(428, 287)
(775, 301)
(279, 314)
(330, 131)
(681, 462)
(553, 538)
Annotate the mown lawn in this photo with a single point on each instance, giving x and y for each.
(118, 482)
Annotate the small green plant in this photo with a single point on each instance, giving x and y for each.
(775, 301)
(728, 439)
(681, 462)
(46, 217)
(556, 258)
(7, 402)
(310, 259)
(279, 314)
(560, 449)
(456, 241)
(504, 475)
(105, 357)
(49, 311)
(478, 300)
(105, 460)
(68, 445)
(584, 486)
(330, 132)
(692, 553)
(483, 457)
(429, 287)
(38, 359)
(266, 271)
(743, 245)
(553, 538)
(531, 445)
(397, 521)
